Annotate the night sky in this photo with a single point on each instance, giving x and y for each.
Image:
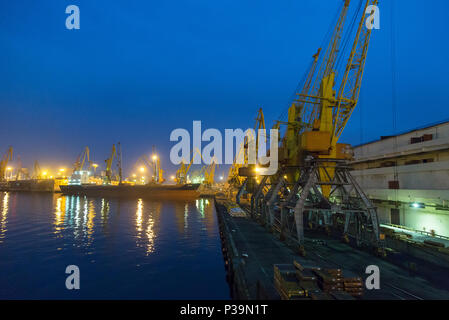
(136, 70)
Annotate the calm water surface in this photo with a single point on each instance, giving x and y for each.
(125, 249)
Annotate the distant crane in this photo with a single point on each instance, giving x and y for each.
(4, 163)
(108, 173)
(116, 154)
(242, 175)
(234, 178)
(181, 174)
(159, 172)
(80, 161)
(209, 172)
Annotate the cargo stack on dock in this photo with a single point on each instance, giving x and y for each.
(296, 282)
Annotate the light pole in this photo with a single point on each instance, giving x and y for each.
(95, 168)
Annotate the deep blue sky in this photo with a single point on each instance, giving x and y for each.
(136, 70)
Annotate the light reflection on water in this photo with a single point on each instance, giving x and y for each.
(147, 241)
(150, 249)
(4, 216)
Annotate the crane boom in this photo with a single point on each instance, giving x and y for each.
(181, 173)
(308, 115)
(350, 88)
(316, 119)
(82, 157)
(319, 114)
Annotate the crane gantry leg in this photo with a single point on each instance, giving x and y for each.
(288, 212)
(240, 192)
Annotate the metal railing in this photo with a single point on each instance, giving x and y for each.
(426, 233)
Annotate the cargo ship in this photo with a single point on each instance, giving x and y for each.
(30, 185)
(152, 190)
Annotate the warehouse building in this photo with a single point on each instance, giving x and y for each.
(407, 178)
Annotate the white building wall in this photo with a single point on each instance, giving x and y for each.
(400, 145)
(426, 183)
(423, 176)
(427, 219)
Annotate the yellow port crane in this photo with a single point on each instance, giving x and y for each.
(181, 173)
(316, 119)
(313, 176)
(209, 172)
(4, 163)
(241, 175)
(80, 161)
(159, 172)
(108, 161)
(233, 176)
(234, 179)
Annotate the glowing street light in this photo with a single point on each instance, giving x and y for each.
(154, 157)
(10, 172)
(417, 205)
(142, 169)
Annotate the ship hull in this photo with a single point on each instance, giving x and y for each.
(32, 185)
(187, 191)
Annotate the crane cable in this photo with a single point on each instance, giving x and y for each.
(394, 97)
(326, 39)
(347, 38)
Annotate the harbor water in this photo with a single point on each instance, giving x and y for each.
(124, 248)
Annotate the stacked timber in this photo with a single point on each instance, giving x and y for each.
(333, 281)
(308, 281)
(353, 286)
(330, 280)
(286, 284)
(295, 281)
